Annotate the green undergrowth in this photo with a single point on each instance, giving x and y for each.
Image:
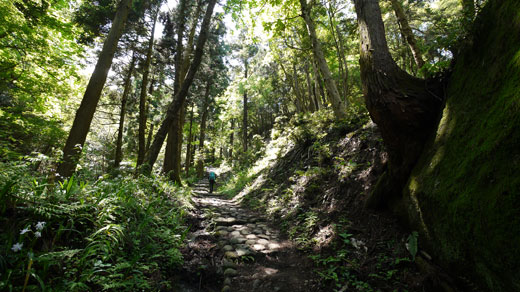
(106, 234)
(467, 184)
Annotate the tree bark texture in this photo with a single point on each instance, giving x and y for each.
(178, 100)
(405, 108)
(334, 97)
(142, 97)
(85, 113)
(407, 32)
(172, 157)
(202, 136)
(126, 90)
(188, 145)
(244, 117)
(231, 139)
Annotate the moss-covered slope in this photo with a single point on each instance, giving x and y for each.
(466, 187)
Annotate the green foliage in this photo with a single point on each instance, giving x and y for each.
(412, 244)
(108, 234)
(38, 54)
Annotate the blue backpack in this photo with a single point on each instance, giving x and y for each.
(212, 176)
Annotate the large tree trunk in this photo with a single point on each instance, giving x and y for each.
(404, 107)
(334, 97)
(142, 98)
(119, 143)
(406, 30)
(178, 100)
(83, 119)
(172, 161)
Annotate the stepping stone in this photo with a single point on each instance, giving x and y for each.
(250, 242)
(225, 220)
(258, 247)
(264, 236)
(227, 281)
(228, 264)
(227, 248)
(258, 231)
(235, 234)
(273, 246)
(220, 228)
(236, 240)
(242, 252)
(244, 232)
(251, 236)
(226, 288)
(222, 233)
(263, 241)
(231, 255)
(250, 225)
(230, 272)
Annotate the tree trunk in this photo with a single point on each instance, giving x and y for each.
(142, 98)
(313, 105)
(172, 159)
(338, 42)
(83, 119)
(152, 125)
(127, 85)
(178, 100)
(404, 107)
(188, 146)
(406, 30)
(337, 104)
(202, 136)
(231, 140)
(244, 117)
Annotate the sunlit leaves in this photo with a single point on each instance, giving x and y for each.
(37, 53)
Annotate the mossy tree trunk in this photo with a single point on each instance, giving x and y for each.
(405, 108)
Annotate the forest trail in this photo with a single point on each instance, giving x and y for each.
(241, 250)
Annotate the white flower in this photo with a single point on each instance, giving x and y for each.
(17, 247)
(40, 225)
(24, 231)
(38, 234)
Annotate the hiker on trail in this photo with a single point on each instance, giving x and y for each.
(212, 177)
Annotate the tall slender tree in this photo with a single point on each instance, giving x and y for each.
(124, 98)
(338, 105)
(179, 98)
(407, 32)
(85, 113)
(142, 97)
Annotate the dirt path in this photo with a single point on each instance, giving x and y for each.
(239, 250)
